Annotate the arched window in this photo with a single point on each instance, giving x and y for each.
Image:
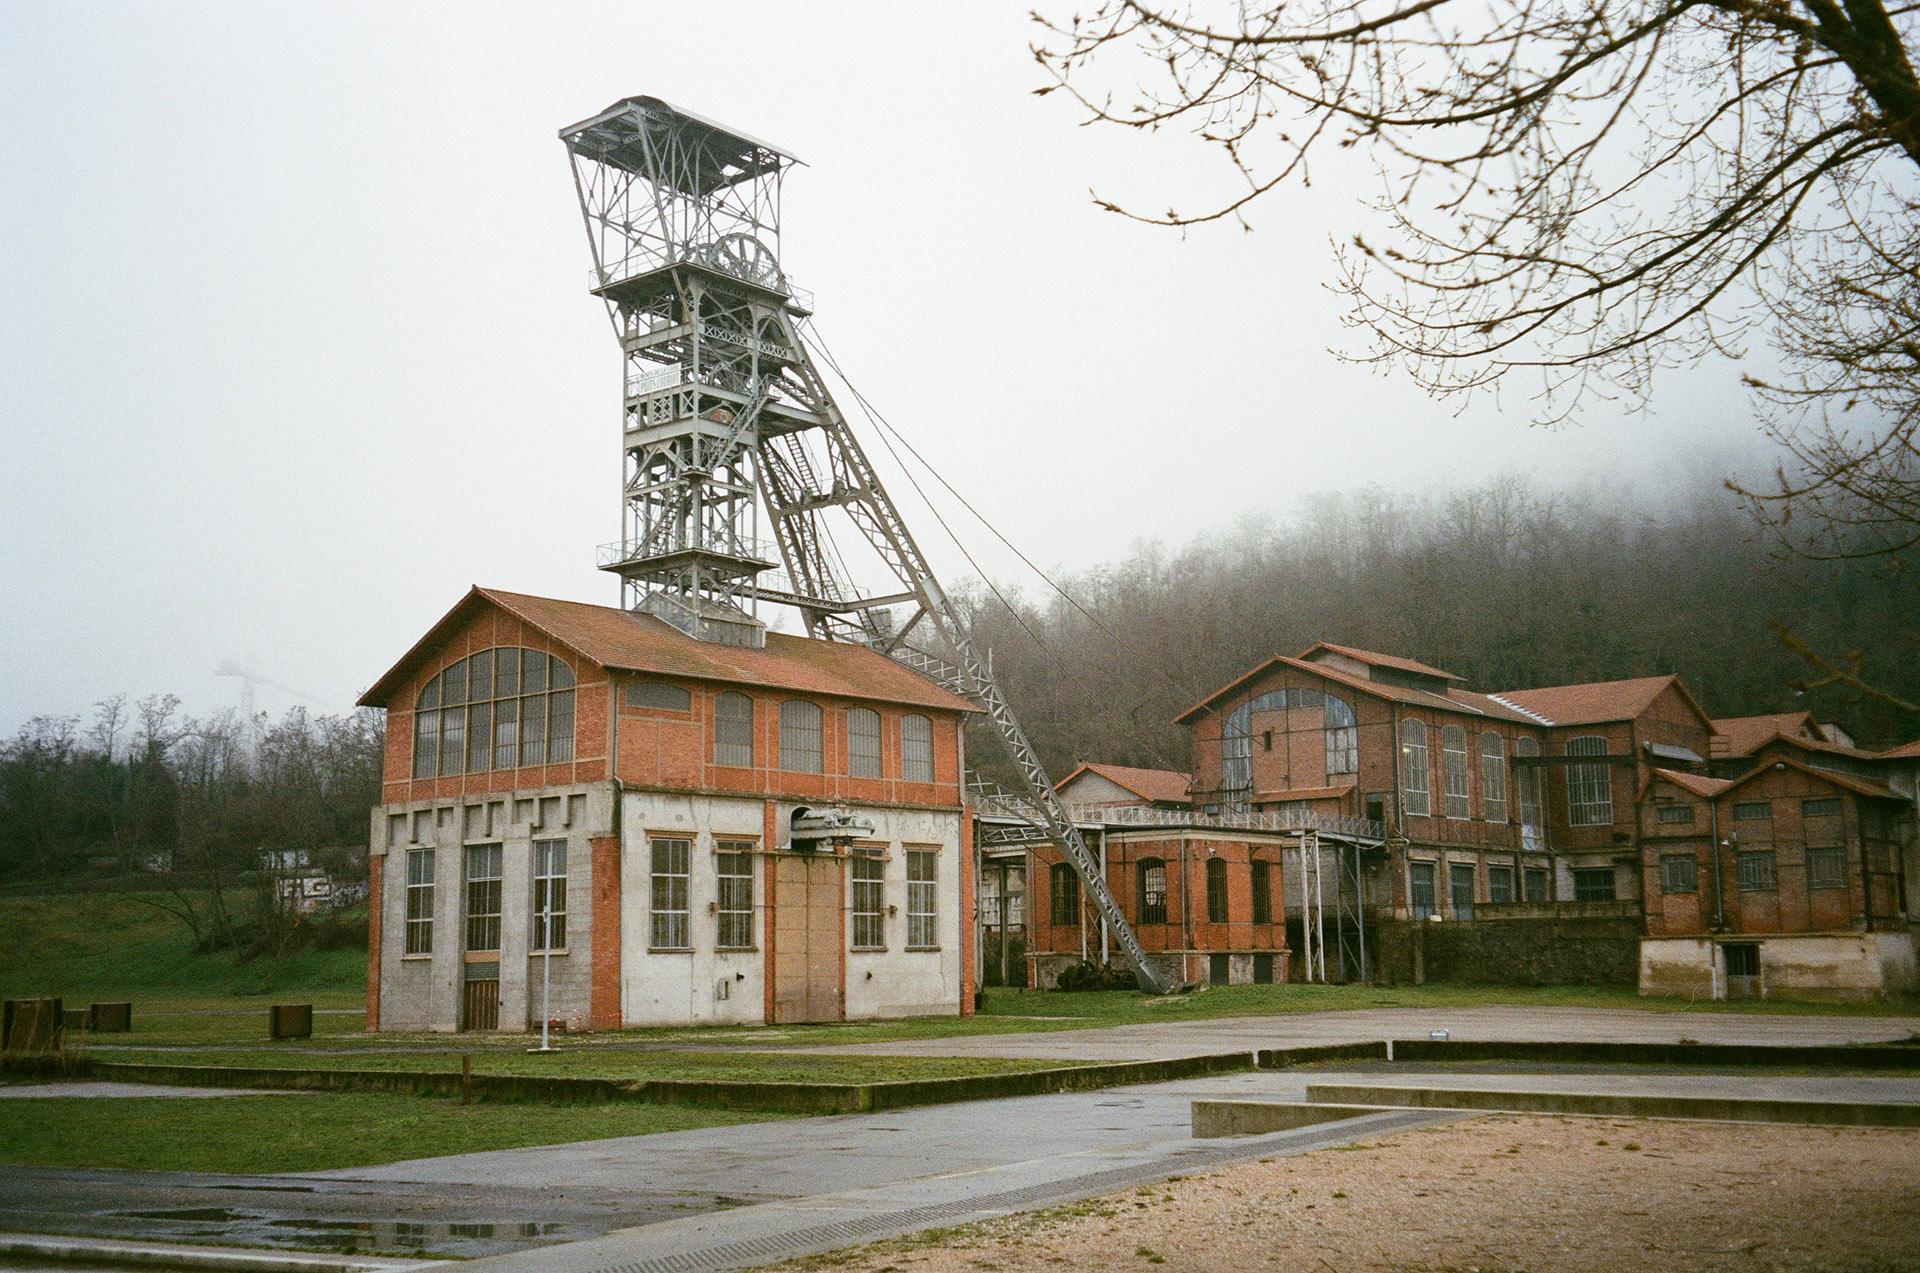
(916, 749)
(1589, 787)
(800, 736)
(1153, 891)
(1063, 890)
(1493, 777)
(505, 708)
(1414, 800)
(863, 742)
(1216, 891)
(1236, 736)
(1532, 810)
(1343, 738)
(733, 730)
(1453, 763)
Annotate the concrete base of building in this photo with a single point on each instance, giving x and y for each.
(1849, 967)
(1242, 967)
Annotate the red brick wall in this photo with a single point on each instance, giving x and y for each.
(376, 886)
(603, 999)
(1238, 933)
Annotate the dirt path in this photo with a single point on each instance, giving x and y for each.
(1498, 1193)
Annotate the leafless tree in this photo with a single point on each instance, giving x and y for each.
(1578, 194)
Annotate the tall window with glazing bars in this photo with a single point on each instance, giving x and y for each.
(499, 709)
(1337, 720)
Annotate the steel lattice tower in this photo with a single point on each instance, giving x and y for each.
(725, 413)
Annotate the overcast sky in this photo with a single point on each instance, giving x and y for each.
(295, 343)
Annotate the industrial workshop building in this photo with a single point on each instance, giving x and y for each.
(1555, 835)
(679, 831)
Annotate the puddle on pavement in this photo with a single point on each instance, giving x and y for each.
(232, 1226)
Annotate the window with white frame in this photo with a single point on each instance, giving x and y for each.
(916, 749)
(549, 894)
(863, 742)
(1493, 776)
(869, 897)
(1414, 792)
(419, 902)
(923, 876)
(498, 709)
(1453, 765)
(733, 730)
(1589, 787)
(483, 897)
(733, 869)
(800, 736)
(672, 861)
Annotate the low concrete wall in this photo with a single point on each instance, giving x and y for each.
(1256, 1118)
(1851, 1056)
(1715, 1108)
(1844, 967)
(1564, 950)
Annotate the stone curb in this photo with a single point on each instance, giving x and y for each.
(1848, 1056)
(797, 1098)
(1724, 1109)
(60, 1249)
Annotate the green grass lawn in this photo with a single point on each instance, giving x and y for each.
(310, 1132)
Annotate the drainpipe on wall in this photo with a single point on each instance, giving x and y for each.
(1186, 915)
(1719, 892)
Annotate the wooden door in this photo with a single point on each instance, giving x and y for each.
(809, 948)
(481, 1011)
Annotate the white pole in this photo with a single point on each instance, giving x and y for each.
(546, 965)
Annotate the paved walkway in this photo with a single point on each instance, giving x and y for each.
(1159, 1041)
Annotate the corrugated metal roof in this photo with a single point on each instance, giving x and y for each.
(631, 642)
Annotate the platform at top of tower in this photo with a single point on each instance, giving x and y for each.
(726, 156)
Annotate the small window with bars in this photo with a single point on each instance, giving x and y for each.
(800, 736)
(869, 893)
(1753, 811)
(1674, 815)
(1216, 891)
(1420, 898)
(1153, 891)
(733, 871)
(1829, 808)
(863, 742)
(1260, 881)
(1499, 884)
(923, 878)
(419, 902)
(916, 749)
(1756, 871)
(1679, 873)
(1593, 884)
(1826, 868)
(671, 871)
(733, 730)
(1063, 894)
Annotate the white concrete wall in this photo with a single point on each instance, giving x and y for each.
(1848, 966)
(423, 992)
(683, 987)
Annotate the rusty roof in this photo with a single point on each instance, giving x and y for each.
(630, 642)
(1742, 735)
(1381, 660)
(1707, 788)
(1864, 786)
(1149, 784)
(1466, 702)
(1597, 702)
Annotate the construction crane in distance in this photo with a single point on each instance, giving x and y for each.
(726, 413)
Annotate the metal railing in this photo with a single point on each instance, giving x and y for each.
(639, 263)
(992, 801)
(623, 552)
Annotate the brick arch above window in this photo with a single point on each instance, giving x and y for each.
(504, 708)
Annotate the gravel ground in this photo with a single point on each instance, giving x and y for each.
(1496, 1194)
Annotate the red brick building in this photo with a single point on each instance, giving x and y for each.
(684, 831)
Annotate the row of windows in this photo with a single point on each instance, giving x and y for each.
(1151, 892)
(1755, 871)
(1456, 767)
(1422, 882)
(499, 709)
(1748, 811)
(670, 915)
(802, 747)
(484, 883)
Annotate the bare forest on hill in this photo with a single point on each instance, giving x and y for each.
(1505, 585)
(181, 812)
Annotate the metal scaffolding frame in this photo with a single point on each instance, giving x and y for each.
(725, 412)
